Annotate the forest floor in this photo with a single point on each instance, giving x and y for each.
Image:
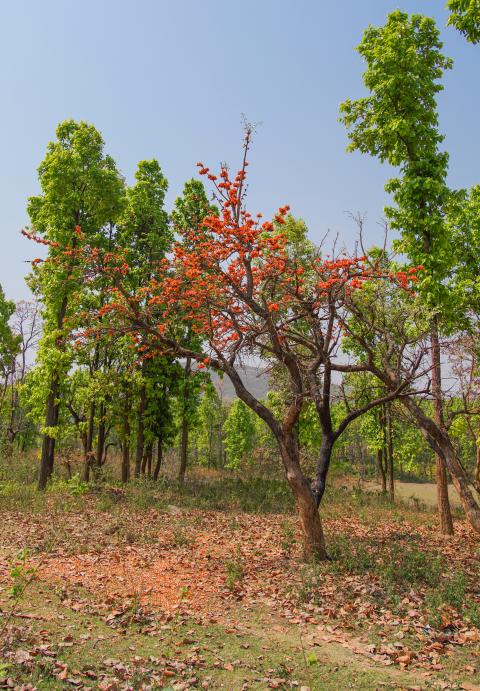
(155, 587)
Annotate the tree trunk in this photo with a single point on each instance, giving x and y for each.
(183, 450)
(140, 430)
(89, 444)
(443, 504)
(159, 459)
(126, 442)
(149, 459)
(391, 478)
(184, 430)
(101, 436)
(476, 482)
(312, 532)
(324, 458)
(311, 525)
(48, 443)
(381, 471)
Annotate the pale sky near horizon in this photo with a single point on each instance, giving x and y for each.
(170, 79)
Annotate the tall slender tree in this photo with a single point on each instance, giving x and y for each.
(145, 233)
(398, 123)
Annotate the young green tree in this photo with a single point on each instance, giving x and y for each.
(189, 212)
(239, 429)
(144, 231)
(80, 188)
(10, 344)
(398, 123)
(209, 429)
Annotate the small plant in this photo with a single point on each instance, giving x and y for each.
(235, 571)
(180, 537)
(22, 576)
(450, 594)
(405, 566)
(184, 592)
(288, 537)
(312, 577)
(74, 486)
(454, 590)
(353, 559)
(472, 614)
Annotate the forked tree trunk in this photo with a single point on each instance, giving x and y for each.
(443, 503)
(312, 532)
(311, 526)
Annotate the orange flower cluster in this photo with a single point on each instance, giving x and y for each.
(231, 278)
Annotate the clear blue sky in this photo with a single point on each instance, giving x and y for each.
(170, 78)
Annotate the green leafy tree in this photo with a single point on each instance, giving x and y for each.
(398, 123)
(239, 429)
(80, 187)
(465, 17)
(9, 343)
(144, 232)
(208, 434)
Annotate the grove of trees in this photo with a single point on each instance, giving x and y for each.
(140, 310)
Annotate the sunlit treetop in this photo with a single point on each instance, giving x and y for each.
(465, 16)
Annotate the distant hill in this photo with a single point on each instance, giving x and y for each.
(256, 380)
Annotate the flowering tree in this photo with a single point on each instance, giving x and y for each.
(233, 280)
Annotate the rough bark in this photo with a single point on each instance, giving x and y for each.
(312, 531)
(101, 436)
(323, 464)
(149, 458)
(381, 471)
(159, 459)
(48, 443)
